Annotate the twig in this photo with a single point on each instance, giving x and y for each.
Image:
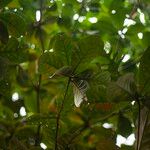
(59, 115)
(37, 141)
(139, 124)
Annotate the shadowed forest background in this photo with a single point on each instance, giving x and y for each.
(74, 74)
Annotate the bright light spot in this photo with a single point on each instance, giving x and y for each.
(113, 11)
(128, 22)
(91, 32)
(126, 58)
(127, 141)
(80, 1)
(51, 50)
(127, 15)
(21, 8)
(87, 9)
(43, 146)
(124, 31)
(138, 65)
(121, 34)
(15, 97)
(22, 111)
(130, 140)
(120, 140)
(6, 8)
(107, 125)
(132, 125)
(32, 46)
(140, 35)
(133, 102)
(107, 47)
(51, 1)
(15, 115)
(9, 36)
(63, 4)
(15, 10)
(81, 18)
(75, 17)
(142, 16)
(93, 19)
(38, 15)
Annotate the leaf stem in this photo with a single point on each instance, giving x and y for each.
(59, 115)
(139, 121)
(37, 141)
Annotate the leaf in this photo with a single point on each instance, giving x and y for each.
(39, 119)
(15, 23)
(64, 71)
(3, 33)
(4, 68)
(90, 47)
(3, 3)
(144, 130)
(124, 126)
(127, 83)
(62, 48)
(79, 89)
(144, 73)
(15, 52)
(60, 55)
(123, 89)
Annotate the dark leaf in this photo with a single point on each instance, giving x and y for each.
(144, 130)
(3, 3)
(144, 73)
(3, 33)
(124, 126)
(15, 23)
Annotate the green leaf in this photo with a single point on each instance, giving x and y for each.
(127, 83)
(4, 68)
(144, 73)
(124, 126)
(3, 33)
(58, 56)
(15, 23)
(15, 52)
(3, 3)
(40, 119)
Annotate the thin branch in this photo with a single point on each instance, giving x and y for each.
(59, 115)
(139, 124)
(37, 141)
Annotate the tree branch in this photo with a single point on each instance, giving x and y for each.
(59, 115)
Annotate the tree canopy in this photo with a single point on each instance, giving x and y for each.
(74, 74)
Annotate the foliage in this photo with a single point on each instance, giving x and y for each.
(64, 73)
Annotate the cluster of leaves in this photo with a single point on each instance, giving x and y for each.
(55, 52)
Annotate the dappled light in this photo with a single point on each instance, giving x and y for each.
(74, 75)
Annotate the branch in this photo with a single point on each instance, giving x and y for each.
(139, 121)
(59, 115)
(37, 141)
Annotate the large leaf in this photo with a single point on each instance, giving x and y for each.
(123, 89)
(144, 73)
(124, 126)
(144, 130)
(90, 47)
(58, 56)
(15, 23)
(15, 52)
(127, 83)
